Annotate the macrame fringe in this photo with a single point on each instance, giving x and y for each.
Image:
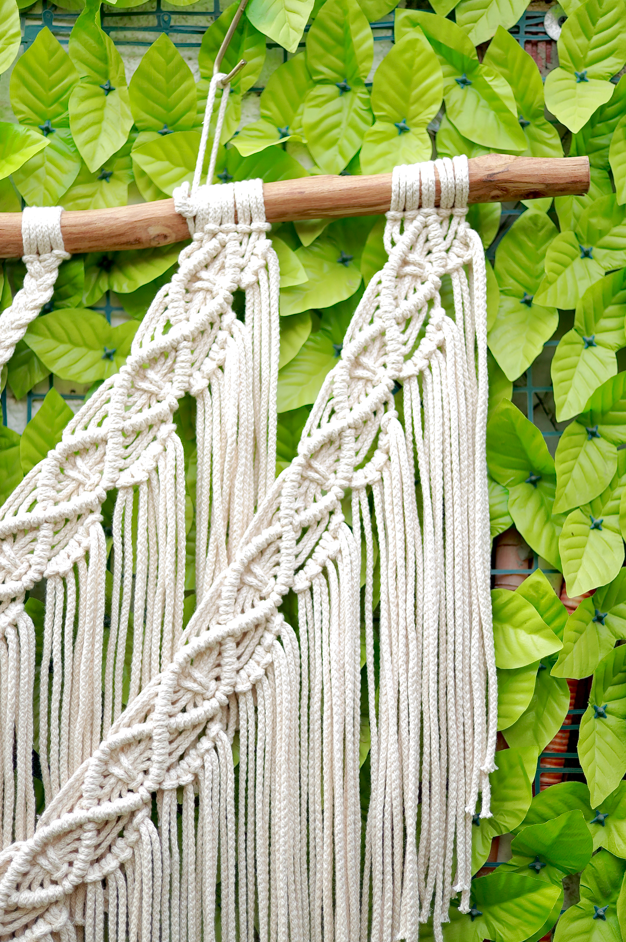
(224, 800)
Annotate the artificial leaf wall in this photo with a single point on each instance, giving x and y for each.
(358, 86)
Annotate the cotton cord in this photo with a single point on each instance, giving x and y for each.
(145, 833)
(43, 253)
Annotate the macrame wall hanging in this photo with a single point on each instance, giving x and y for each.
(150, 830)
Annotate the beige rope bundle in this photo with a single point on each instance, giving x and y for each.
(288, 859)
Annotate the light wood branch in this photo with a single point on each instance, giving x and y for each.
(493, 178)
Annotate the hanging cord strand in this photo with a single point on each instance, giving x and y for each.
(43, 253)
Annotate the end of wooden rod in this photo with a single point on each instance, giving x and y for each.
(498, 178)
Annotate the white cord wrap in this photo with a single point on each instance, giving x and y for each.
(43, 253)
(287, 859)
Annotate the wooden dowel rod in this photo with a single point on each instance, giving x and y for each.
(493, 178)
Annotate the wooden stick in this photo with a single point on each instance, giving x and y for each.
(493, 178)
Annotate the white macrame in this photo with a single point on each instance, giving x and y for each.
(144, 840)
(43, 253)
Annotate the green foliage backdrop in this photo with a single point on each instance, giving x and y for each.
(319, 95)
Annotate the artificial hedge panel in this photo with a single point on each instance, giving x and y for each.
(455, 80)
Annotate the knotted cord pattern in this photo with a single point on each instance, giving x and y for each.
(287, 860)
(124, 439)
(43, 253)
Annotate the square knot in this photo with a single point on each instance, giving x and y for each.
(316, 472)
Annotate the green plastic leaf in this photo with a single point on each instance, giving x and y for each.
(617, 160)
(9, 197)
(522, 326)
(125, 272)
(281, 20)
(132, 269)
(100, 115)
(606, 408)
(288, 434)
(592, 630)
(570, 208)
(291, 269)
(48, 175)
(80, 345)
(593, 39)
(592, 48)
(170, 160)
(25, 370)
(510, 799)
(100, 123)
(544, 715)
(302, 378)
(595, 918)
(481, 18)
(511, 906)
(515, 690)
(519, 69)
(101, 189)
(340, 45)
(519, 460)
(294, 331)
(563, 846)
(331, 277)
(479, 102)
(41, 84)
(408, 85)
(281, 107)
(602, 226)
(515, 447)
(585, 464)
(335, 123)
(590, 557)
(17, 145)
(10, 33)
(162, 90)
(269, 165)
(570, 270)
(10, 465)
(521, 636)
(601, 744)
(44, 430)
(585, 357)
(484, 218)
(450, 142)
(538, 590)
(606, 822)
(499, 386)
(558, 799)
(595, 137)
(136, 303)
(591, 544)
(573, 101)
(374, 255)
(407, 93)
(499, 516)
(247, 43)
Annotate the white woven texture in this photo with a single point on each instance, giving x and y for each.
(141, 838)
(43, 253)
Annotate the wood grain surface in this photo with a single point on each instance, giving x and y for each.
(493, 178)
